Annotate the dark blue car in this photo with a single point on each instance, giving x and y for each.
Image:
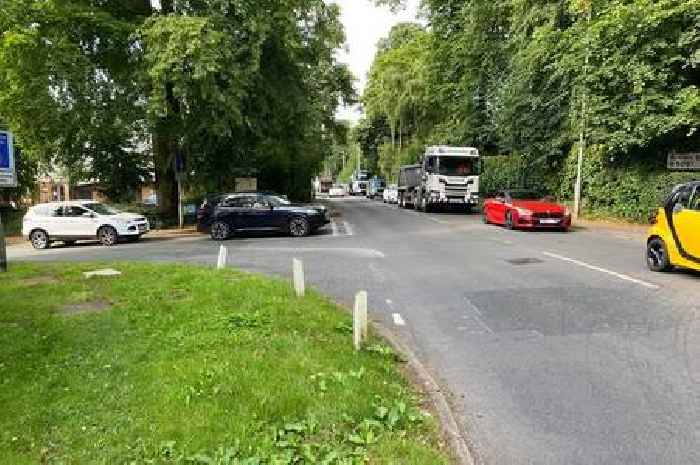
(223, 215)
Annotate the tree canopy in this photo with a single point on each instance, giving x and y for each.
(527, 77)
(114, 92)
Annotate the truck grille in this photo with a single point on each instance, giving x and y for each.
(456, 191)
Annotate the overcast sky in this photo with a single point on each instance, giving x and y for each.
(364, 25)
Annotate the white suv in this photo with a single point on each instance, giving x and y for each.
(80, 220)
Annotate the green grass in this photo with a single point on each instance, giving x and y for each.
(189, 365)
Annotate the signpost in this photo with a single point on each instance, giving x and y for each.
(8, 178)
(684, 161)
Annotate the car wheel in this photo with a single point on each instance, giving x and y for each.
(509, 221)
(220, 231)
(657, 255)
(299, 227)
(107, 236)
(40, 239)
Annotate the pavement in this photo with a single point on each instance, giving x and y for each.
(559, 348)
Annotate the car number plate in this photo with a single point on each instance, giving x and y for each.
(549, 221)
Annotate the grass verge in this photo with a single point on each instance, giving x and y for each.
(170, 364)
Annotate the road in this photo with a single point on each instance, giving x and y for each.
(559, 348)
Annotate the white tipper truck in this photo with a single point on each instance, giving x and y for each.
(445, 176)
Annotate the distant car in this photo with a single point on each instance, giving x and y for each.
(78, 220)
(391, 194)
(523, 209)
(673, 239)
(336, 191)
(259, 212)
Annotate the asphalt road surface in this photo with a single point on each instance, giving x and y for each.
(559, 348)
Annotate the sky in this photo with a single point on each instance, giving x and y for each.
(364, 25)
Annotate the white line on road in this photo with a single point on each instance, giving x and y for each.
(360, 252)
(624, 277)
(348, 228)
(334, 228)
(389, 302)
(398, 320)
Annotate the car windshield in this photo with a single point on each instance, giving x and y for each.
(525, 195)
(101, 209)
(453, 166)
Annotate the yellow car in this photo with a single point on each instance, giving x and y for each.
(674, 238)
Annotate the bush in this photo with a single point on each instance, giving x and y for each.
(627, 189)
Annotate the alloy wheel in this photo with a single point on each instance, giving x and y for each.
(299, 227)
(107, 236)
(40, 240)
(219, 231)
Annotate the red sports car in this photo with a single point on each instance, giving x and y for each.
(525, 209)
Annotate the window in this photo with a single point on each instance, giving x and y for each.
(695, 201)
(101, 209)
(681, 199)
(243, 201)
(453, 166)
(430, 163)
(74, 211)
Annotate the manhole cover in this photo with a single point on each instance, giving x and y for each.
(524, 261)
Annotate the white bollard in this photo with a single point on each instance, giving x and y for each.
(223, 255)
(298, 272)
(359, 319)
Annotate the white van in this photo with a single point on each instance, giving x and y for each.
(77, 220)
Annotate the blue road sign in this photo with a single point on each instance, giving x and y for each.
(8, 177)
(4, 151)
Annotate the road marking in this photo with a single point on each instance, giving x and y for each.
(435, 220)
(388, 301)
(334, 228)
(624, 277)
(398, 320)
(348, 228)
(360, 252)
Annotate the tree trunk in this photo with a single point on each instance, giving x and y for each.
(166, 184)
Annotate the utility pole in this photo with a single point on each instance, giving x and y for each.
(582, 137)
(3, 248)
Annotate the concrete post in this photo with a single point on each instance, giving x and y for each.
(223, 256)
(359, 320)
(298, 272)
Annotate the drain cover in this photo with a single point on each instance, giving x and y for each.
(524, 261)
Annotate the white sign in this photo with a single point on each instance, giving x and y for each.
(8, 175)
(684, 161)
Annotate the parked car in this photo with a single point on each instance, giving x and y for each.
(523, 209)
(225, 215)
(391, 194)
(336, 191)
(78, 220)
(674, 238)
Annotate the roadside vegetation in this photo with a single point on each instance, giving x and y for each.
(523, 81)
(187, 365)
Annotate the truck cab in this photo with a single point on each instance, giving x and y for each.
(445, 176)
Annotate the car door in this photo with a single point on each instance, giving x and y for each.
(497, 208)
(235, 210)
(49, 218)
(78, 221)
(277, 216)
(686, 221)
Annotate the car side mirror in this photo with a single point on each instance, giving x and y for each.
(677, 208)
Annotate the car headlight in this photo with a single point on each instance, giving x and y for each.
(524, 212)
